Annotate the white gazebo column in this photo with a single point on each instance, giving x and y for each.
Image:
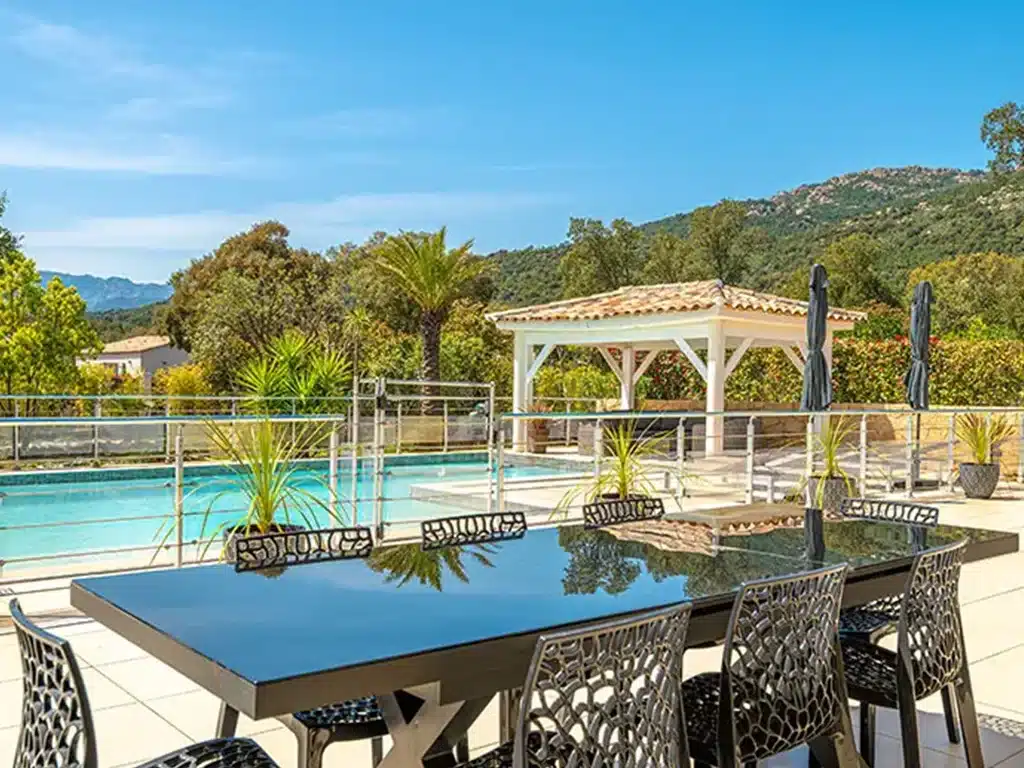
(522, 392)
(714, 426)
(626, 383)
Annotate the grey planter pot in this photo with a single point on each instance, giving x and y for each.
(979, 481)
(832, 495)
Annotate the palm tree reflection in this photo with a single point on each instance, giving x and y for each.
(403, 562)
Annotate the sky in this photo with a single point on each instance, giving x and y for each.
(136, 136)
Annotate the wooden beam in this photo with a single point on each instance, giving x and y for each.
(642, 368)
(794, 358)
(539, 361)
(695, 361)
(607, 355)
(737, 355)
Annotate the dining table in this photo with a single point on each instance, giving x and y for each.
(455, 626)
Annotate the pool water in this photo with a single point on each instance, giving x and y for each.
(135, 513)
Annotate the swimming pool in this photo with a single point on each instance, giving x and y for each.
(82, 517)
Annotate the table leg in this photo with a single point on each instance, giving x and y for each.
(227, 721)
(430, 735)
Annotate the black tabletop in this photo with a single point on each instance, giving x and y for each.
(403, 601)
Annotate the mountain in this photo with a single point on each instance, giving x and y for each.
(103, 293)
(920, 215)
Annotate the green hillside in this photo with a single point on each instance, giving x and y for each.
(920, 215)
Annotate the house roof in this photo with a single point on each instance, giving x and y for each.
(136, 344)
(669, 298)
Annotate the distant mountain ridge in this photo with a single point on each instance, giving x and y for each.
(105, 293)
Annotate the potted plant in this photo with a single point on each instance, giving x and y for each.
(827, 487)
(982, 436)
(538, 431)
(624, 471)
(262, 460)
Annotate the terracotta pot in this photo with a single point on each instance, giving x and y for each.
(537, 436)
(979, 481)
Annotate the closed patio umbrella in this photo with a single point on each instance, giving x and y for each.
(817, 392)
(916, 379)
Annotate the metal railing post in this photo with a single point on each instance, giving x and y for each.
(167, 431)
(444, 426)
(490, 448)
(809, 449)
(568, 423)
(680, 456)
(988, 427)
(908, 482)
(97, 412)
(179, 494)
(750, 459)
(16, 437)
(398, 428)
(951, 451)
(234, 406)
(332, 471)
(378, 455)
(499, 475)
(1020, 447)
(863, 470)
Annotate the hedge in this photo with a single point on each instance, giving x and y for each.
(963, 373)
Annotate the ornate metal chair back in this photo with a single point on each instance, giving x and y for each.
(782, 677)
(472, 529)
(930, 635)
(285, 548)
(890, 511)
(56, 722)
(606, 695)
(610, 512)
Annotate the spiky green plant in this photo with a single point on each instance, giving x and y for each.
(828, 444)
(403, 562)
(623, 471)
(262, 459)
(983, 436)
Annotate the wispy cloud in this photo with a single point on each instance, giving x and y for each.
(167, 155)
(315, 224)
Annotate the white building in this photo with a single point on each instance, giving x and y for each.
(141, 355)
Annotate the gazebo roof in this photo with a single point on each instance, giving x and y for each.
(669, 298)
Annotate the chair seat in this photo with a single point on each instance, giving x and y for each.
(347, 720)
(870, 672)
(700, 698)
(499, 757)
(216, 753)
(871, 621)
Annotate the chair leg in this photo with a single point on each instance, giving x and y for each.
(949, 707)
(376, 751)
(969, 725)
(908, 730)
(867, 733)
(462, 750)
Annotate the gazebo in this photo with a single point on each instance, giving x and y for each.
(643, 320)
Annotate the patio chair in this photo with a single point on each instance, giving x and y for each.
(352, 720)
(781, 683)
(56, 721)
(871, 622)
(602, 695)
(598, 514)
(930, 657)
(441, 532)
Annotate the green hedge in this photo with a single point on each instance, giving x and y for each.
(963, 373)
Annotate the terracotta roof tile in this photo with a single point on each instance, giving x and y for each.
(664, 299)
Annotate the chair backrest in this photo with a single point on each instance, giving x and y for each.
(930, 638)
(610, 512)
(56, 722)
(285, 548)
(890, 511)
(472, 529)
(782, 681)
(606, 695)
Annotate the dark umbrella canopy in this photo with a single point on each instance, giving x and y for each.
(817, 393)
(916, 379)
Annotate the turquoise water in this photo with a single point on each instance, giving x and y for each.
(215, 499)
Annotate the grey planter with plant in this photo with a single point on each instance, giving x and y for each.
(983, 438)
(827, 487)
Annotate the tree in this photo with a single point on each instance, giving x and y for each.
(432, 277)
(853, 281)
(296, 372)
(43, 331)
(601, 258)
(714, 231)
(671, 259)
(1002, 130)
(230, 304)
(986, 286)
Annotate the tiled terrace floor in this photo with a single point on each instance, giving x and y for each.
(143, 708)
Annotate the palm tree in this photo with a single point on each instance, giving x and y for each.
(403, 562)
(433, 277)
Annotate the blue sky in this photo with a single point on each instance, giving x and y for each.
(136, 136)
